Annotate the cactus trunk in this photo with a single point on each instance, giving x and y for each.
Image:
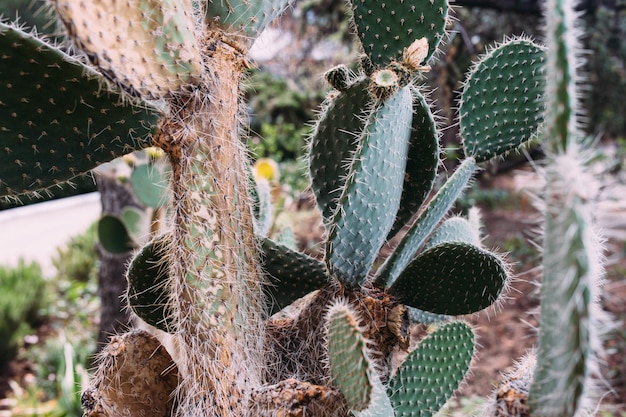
(214, 269)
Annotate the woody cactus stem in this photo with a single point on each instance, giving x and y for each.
(570, 323)
(212, 249)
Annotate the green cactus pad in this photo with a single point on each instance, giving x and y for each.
(147, 275)
(419, 316)
(455, 229)
(287, 238)
(290, 274)
(249, 17)
(350, 366)
(334, 142)
(386, 28)
(425, 224)
(148, 47)
(113, 236)
(149, 183)
(433, 371)
(370, 200)
(58, 119)
(136, 222)
(501, 105)
(451, 279)
(422, 162)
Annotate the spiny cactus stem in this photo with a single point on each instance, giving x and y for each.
(561, 98)
(214, 265)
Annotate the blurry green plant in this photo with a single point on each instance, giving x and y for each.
(278, 112)
(61, 371)
(520, 248)
(282, 141)
(22, 298)
(484, 197)
(77, 260)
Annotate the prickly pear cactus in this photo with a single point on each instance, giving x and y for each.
(299, 351)
(356, 186)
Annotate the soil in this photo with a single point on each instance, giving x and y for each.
(504, 333)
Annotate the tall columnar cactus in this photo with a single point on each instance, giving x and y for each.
(169, 70)
(571, 322)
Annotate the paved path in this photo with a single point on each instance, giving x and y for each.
(35, 231)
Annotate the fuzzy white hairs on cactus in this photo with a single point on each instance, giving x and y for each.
(571, 320)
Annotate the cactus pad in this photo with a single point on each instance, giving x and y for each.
(455, 229)
(150, 184)
(386, 28)
(290, 274)
(147, 276)
(433, 371)
(136, 222)
(350, 365)
(59, 121)
(338, 129)
(148, 47)
(437, 207)
(421, 164)
(451, 279)
(248, 17)
(370, 200)
(501, 105)
(113, 235)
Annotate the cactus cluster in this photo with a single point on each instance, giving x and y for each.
(258, 328)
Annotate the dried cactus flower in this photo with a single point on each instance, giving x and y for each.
(415, 54)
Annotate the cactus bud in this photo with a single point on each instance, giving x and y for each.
(384, 83)
(338, 77)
